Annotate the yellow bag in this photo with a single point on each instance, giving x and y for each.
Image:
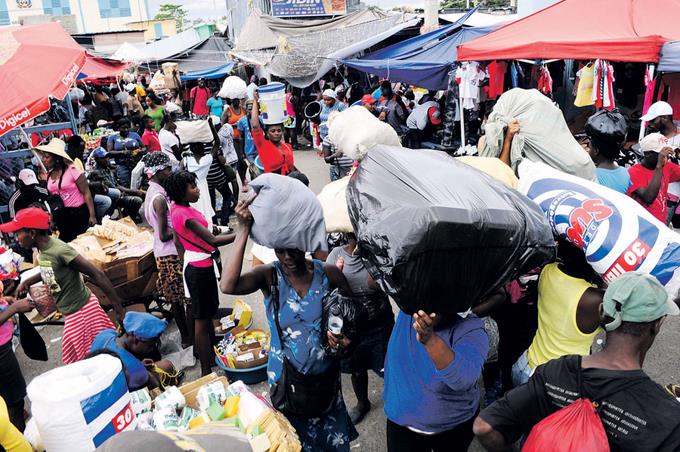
(493, 167)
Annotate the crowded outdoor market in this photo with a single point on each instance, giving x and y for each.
(328, 226)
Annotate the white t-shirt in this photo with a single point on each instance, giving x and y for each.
(168, 140)
(226, 136)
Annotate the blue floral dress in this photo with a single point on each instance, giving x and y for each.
(300, 320)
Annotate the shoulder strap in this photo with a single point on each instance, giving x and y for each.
(192, 242)
(274, 294)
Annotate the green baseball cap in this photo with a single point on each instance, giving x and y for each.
(636, 297)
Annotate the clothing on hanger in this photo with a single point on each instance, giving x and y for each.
(603, 90)
(545, 82)
(496, 71)
(584, 86)
(469, 77)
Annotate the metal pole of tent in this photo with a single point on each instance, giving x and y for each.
(462, 120)
(71, 114)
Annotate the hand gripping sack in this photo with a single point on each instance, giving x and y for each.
(333, 201)
(78, 406)
(439, 235)
(575, 428)
(356, 129)
(616, 233)
(286, 214)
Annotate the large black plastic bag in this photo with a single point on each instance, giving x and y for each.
(439, 235)
(352, 314)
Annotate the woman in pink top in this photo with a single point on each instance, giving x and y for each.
(70, 184)
(200, 260)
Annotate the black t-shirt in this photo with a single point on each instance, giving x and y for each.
(22, 199)
(640, 417)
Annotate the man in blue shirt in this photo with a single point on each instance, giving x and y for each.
(431, 393)
(135, 347)
(246, 130)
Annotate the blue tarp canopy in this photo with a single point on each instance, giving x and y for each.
(424, 61)
(670, 57)
(217, 72)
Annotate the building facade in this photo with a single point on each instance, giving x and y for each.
(89, 16)
(155, 29)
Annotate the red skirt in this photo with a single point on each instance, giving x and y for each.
(80, 329)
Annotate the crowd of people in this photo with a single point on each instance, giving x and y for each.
(529, 342)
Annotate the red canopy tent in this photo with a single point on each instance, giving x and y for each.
(36, 62)
(96, 68)
(615, 30)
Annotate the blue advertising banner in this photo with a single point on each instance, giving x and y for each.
(300, 8)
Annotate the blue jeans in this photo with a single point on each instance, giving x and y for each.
(124, 174)
(102, 205)
(521, 370)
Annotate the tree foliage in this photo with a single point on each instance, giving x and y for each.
(172, 11)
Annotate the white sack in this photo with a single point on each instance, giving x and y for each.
(334, 204)
(194, 132)
(355, 130)
(286, 214)
(233, 88)
(543, 137)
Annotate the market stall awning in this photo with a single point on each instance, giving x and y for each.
(480, 19)
(101, 68)
(616, 30)
(217, 72)
(670, 57)
(423, 61)
(36, 62)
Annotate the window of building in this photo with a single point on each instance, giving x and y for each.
(56, 7)
(4, 13)
(114, 8)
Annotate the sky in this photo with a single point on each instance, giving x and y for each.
(217, 8)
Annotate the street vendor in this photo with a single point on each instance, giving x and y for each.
(61, 270)
(136, 346)
(122, 147)
(276, 155)
(128, 200)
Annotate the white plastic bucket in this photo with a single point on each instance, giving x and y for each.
(273, 103)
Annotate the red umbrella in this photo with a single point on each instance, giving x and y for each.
(36, 62)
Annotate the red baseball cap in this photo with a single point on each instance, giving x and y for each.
(30, 218)
(367, 99)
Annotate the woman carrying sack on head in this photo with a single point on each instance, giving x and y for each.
(294, 288)
(70, 199)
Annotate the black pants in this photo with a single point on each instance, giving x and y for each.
(72, 221)
(401, 439)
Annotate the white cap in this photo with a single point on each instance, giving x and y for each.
(102, 123)
(653, 142)
(330, 93)
(657, 109)
(27, 176)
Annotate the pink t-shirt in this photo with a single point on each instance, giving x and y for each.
(69, 189)
(7, 328)
(180, 215)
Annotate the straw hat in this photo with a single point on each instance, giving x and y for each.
(56, 147)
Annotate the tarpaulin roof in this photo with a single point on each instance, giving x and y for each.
(423, 61)
(263, 32)
(670, 57)
(209, 56)
(304, 53)
(98, 68)
(217, 72)
(616, 30)
(480, 19)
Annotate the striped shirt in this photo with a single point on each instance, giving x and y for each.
(343, 161)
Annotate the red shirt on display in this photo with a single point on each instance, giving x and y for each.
(496, 78)
(273, 159)
(640, 177)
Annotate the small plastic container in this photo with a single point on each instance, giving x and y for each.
(249, 376)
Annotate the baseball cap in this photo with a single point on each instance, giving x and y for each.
(636, 297)
(330, 93)
(653, 142)
(143, 325)
(27, 176)
(102, 123)
(368, 99)
(29, 218)
(657, 109)
(435, 115)
(99, 153)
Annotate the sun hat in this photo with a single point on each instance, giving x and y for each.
(653, 142)
(636, 297)
(657, 109)
(55, 147)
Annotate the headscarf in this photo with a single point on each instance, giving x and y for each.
(155, 162)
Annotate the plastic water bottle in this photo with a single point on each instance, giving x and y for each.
(335, 322)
